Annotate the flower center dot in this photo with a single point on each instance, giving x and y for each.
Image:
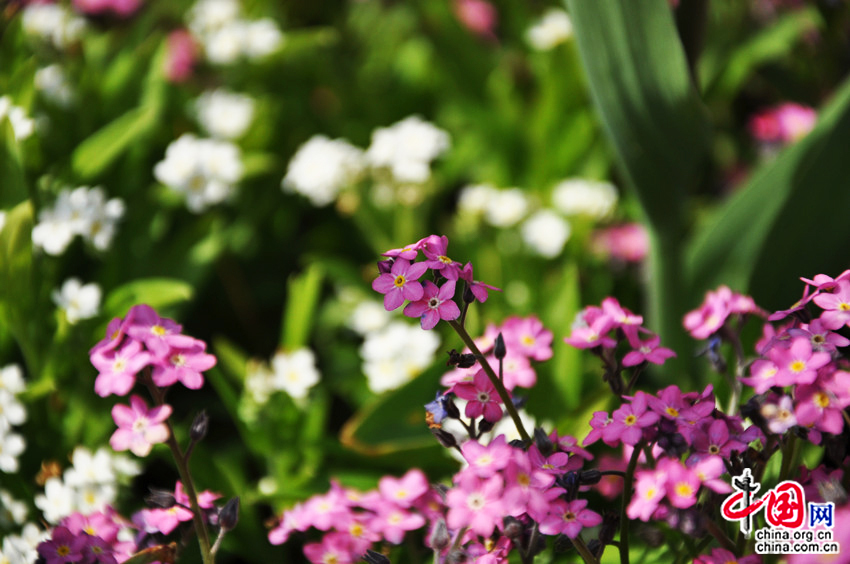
(399, 281)
(630, 420)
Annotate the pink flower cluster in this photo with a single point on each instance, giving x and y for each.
(716, 310)
(594, 326)
(804, 355)
(499, 482)
(145, 341)
(400, 274)
(783, 124)
(87, 539)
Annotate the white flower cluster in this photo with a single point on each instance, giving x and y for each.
(291, 372)
(12, 511)
(554, 28)
(203, 170)
(78, 300)
(12, 412)
(82, 211)
(54, 85)
(55, 23)
(396, 354)
(22, 126)
(89, 485)
(22, 549)
(322, 167)
(224, 114)
(579, 196)
(226, 37)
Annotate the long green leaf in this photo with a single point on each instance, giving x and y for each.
(105, 145)
(301, 299)
(794, 202)
(13, 183)
(156, 292)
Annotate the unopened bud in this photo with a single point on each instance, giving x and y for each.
(385, 266)
(439, 537)
(160, 498)
(199, 427)
(513, 528)
(485, 426)
(461, 360)
(452, 412)
(468, 296)
(589, 477)
(499, 349)
(543, 442)
(372, 557)
(446, 439)
(229, 514)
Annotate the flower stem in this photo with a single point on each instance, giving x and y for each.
(582, 549)
(494, 379)
(627, 497)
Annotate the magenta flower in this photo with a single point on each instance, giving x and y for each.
(63, 546)
(404, 491)
(708, 470)
(184, 364)
(392, 522)
(157, 333)
(797, 364)
(434, 305)
(682, 483)
(410, 252)
(118, 368)
(783, 124)
(822, 339)
(647, 351)
(122, 8)
(593, 335)
(181, 57)
(650, 489)
(762, 376)
(435, 249)
(627, 243)
(166, 520)
(569, 518)
(528, 337)
(400, 284)
(475, 503)
(482, 397)
(485, 461)
(629, 421)
(335, 547)
(817, 408)
(114, 337)
(836, 306)
(478, 289)
(716, 439)
(139, 428)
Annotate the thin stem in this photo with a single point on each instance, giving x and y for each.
(494, 379)
(582, 549)
(789, 454)
(627, 497)
(721, 537)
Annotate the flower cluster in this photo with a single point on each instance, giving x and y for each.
(12, 413)
(77, 300)
(224, 114)
(782, 124)
(204, 171)
(227, 37)
(321, 168)
(173, 509)
(99, 536)
(407, 148)
(717, 308)
(399, 277)
(52, 23)
(82, 211)
(293, 372)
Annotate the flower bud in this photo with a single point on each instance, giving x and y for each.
(589, 477)
(446, 439)
(439, 537)
(160, 498)
(372, 557)
(513, 528)
(499, 349)
(485, 426)
(468, 296)
(543, 442)
(199, 426)
(384, 266)
(229, 514)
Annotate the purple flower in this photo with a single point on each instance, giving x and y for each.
(434, 305)
(400, 283)
(63, 546)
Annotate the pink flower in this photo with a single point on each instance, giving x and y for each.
(714, 311)
(628, 243)
(482, 397)
(335, 547)
(139, 428)
(817, 408)
(166, 520)
(569, 518)
(118, 368)
(475, 503)
(762, 376)
(478, 289)
(434, 305)
(528, 337)
(478, 16)
(650, 489)
(184, 364)
(157, 333)
(485, 461)
(708, 471)
(406, 490)
(121, 8)
(716, 439)
(647, 351)
(392, 522)
(797, 364)
(63, 546)
(779, 414)
(629, 421)
(682, 483)
(836, 306)
(182, 56)
(785, 123)
(593, 335)
(400, 283)
(435, 249)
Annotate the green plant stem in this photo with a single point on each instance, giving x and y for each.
(627, 497)
(494, 379)
(582, 549)
(789, 454)
(718, 534)
(182, 464)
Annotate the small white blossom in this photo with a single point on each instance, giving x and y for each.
(82, 211)
(22, 126)
(396, 354)
(88, 468)
(12, 511)
(368, 316)
(22, 549)
(578, 196)
(56, 502)
(262, 39)
(506, 208)
(91, 497)
(12, 379)
(208, 15)
(11, 447)
(52, 22)
(295, 373)
(473, 199)
(226, 37)
(203, 170)
(224, 45)
(546, 233)
(12, 412)
(321, 168)
(223, 114)
(260, 382)
(407, 148)
(52, 82)
(78, 300)
(554, 28)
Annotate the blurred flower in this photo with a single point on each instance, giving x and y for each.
(783, 124)
(22, 126)
(53, 84)
(546, 233)
(474, 197)
(223, 114)
(139, 428)
(52, 22)
(121, 8)
(12, 379)
(579, 196)
(396, 354)
(226, 37)
(554, 28)
(12, 511)
(182, 55)
(505, 208)
(57, 501)
(79, 301)
(204, 170)
(83, 211)
(478, 16)
(368, 316)
(628, 242)
(12, 411)
(321, 168)
(11, 446)
(407, 148)
(295, 373)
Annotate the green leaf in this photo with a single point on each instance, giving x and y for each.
(14, 187)
(104, 146)
(156, 292)
(790, 201)
(301, 299)
(16, 255)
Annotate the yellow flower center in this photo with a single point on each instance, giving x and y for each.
(821, 399)
(630, 420)
(684, 489)
(444, 259)
(158, 330)
(672, 412)
(844, 306)
(399, 281)
(63, 550)
(528, 341)
(797, 366)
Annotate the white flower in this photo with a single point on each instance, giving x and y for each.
(22, 549)
(22, 126)
(89, 498)
(259, 382)
(2, 219)
(52, 22)
(224, 114)
(208, 15)
(125, 466)
(11, 509)
(295, 373)
(52, 82)
(225, 44)
(204, 170)
(321, 168)
(226, 37)
(546, 233)
(396, 354)
(90, 468)
(262, 38)
(473, 199)
(53, 232)
(12, 379)
(11, 447)
(57, 501)
(12, 411)
(553, 28)
(407, 148)
(82, 211)
(506, 207)
(368, 316)
(578, 196)
(78, 300)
